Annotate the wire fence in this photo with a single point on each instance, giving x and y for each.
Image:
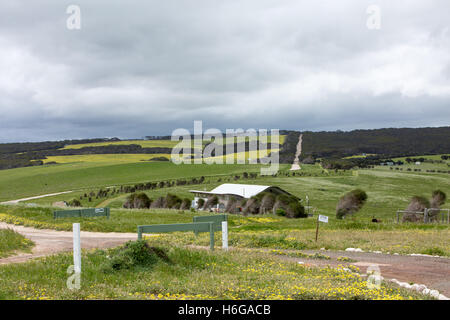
(429, 215)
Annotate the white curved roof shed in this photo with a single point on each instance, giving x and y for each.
(240, 190)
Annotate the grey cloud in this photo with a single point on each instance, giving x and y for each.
(140, 68)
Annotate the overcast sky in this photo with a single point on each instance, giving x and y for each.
(139, 68)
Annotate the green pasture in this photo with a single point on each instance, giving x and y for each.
(33, 181)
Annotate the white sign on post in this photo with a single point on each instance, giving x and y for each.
(225, 235)
(323, 218)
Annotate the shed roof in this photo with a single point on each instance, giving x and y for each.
(242, 190)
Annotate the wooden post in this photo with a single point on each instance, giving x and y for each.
(139, 231)
(211, 236)
(76, 248)
(317, 228)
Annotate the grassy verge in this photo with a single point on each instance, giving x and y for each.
(11, 241)
(402, 242)
(189, 274)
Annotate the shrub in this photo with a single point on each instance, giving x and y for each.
(159, 159)
(232, 205)
(280, 212)
(74, 203)
(212, 201)
(290, 206)
(201, 202)
(350, 203)
(173, 201)
(252, 206)
(438, 198)
(132, 255)
(267, 203)
(137, 201)
(185, 204)
(417, 204)
(296, 210)
(158, 203)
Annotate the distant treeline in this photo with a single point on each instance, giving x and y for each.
(46, 145)
(332, 146)
(289, 147)
(389, 143)
(329, 146)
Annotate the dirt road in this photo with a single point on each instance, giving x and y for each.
(430, 271)
(51, 241)
(296, 164)
(35, 197)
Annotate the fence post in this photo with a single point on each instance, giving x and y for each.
(195, 231)
(398, 217)
(76, 248)
(211, 236)
(225, 235)
(425, 215)
(139, 230)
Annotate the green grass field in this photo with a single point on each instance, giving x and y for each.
(11, 242)
(31, 181)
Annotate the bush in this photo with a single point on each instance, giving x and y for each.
(173, 201)
(74, 203)
(159, 159)
(280, 212)
(438, 198)
(132, 255)
(158, 203)
(417, 204)
(137, 201)
(212, 201)
(185, 204)
(296, 210)
(350, 203)
(252, 206)
(267, 203)
(232, 205)
(290, 206)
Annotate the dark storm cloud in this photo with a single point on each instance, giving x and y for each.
(137, 68)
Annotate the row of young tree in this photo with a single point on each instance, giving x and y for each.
(265, 202)
(109, 192)
(170, 201)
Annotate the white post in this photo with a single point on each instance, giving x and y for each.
(76, 248)
(225, 235)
